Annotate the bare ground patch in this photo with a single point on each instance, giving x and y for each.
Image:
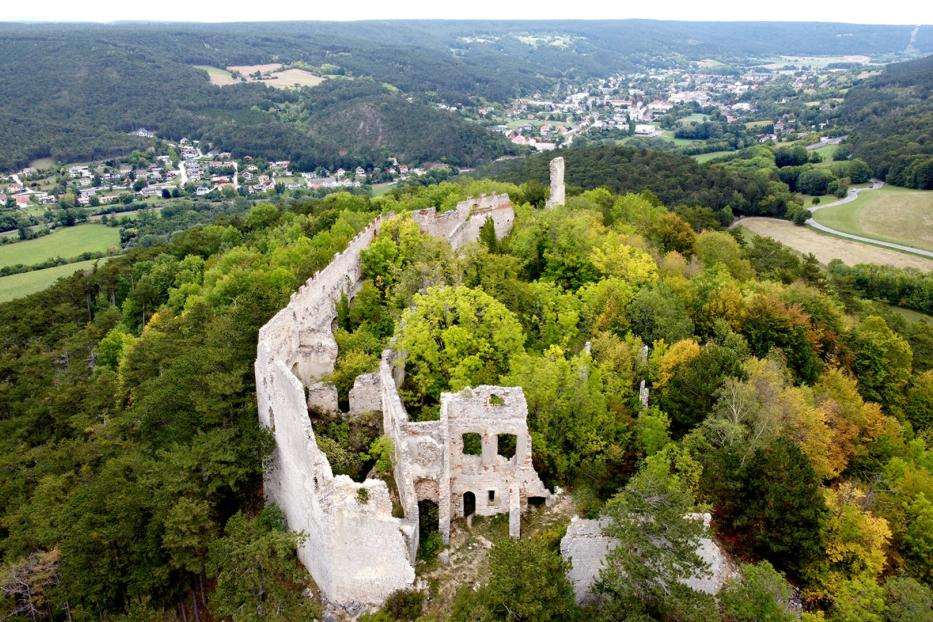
(826, 248)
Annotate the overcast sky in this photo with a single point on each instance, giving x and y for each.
(889, 12)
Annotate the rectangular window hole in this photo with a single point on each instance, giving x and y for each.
(472, 444)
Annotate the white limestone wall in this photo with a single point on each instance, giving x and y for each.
(356, 550)
(462, 224)
(557, 183)
(499, 484)
(586, 547)
(419, 447)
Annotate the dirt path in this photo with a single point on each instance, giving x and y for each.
(826, 248)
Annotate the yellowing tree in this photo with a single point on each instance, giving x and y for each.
(680, 353)
(856, 539)
(615, 256)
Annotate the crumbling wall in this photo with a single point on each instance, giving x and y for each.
(418, 445)
(462, 224)
(499, 484)
(557, 183)
(586, 547)
(356, 550)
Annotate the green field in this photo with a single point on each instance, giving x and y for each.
(64, 243)
(706, 157)
(19, 285)
(384, 188)
(826, 152)
(890, 214)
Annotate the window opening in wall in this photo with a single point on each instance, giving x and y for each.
(536, 502)
(472, 444)
(492, 496)
(507, 443)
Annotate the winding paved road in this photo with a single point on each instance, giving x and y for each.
(853, 194)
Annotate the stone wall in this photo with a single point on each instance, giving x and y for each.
(357, 552)
(557, 183)
(462, 224)
(498, 484)
(586, 547)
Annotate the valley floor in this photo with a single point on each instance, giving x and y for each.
(826, 248)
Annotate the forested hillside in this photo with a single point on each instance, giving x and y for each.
(892, 120)
(794, 410)
(676, 179)
(77, 87)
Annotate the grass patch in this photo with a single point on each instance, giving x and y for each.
(19, 285)
(889, 214)
(218, 76)
(826, 247)
(706, 157)
(65, 243)
(383, 188)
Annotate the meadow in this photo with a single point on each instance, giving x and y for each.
(826, 247)
(890, 214)
(65, 243)
(19, 285)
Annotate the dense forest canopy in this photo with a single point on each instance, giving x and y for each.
(793, 408)
(676, 179)
(892, 120)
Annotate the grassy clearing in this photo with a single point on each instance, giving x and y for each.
(706, 157)
(827, 247)
(826, 198)
(696, 117)
(19, 285)
(218, 76)
(381, 189)
(889, 214)
(42, 164)
(64, 243)
(910, 315)
(669, 135)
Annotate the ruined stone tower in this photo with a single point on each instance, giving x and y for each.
(557, 183)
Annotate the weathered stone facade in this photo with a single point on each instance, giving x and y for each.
(557, 183)
(462, 224)
(356, 550)
(586, 546)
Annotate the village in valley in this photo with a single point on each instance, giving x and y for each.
(706, 107)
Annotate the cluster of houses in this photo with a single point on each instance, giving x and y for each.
(633, 102)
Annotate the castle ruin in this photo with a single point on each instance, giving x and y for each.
(557, 183)
(357, 551)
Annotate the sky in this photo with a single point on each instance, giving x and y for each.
(894, 11)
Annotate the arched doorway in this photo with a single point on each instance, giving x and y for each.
(469, 503)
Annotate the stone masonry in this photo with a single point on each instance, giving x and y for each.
(356, 550)
(585, 546)
(557, 183)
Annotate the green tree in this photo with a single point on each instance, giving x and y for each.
(881, 361)
(644, 574)
(455, 337)
(759, 594)
(527, 582)
(487, 236)
(779, 509)
(257, 575)
(907, 600)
